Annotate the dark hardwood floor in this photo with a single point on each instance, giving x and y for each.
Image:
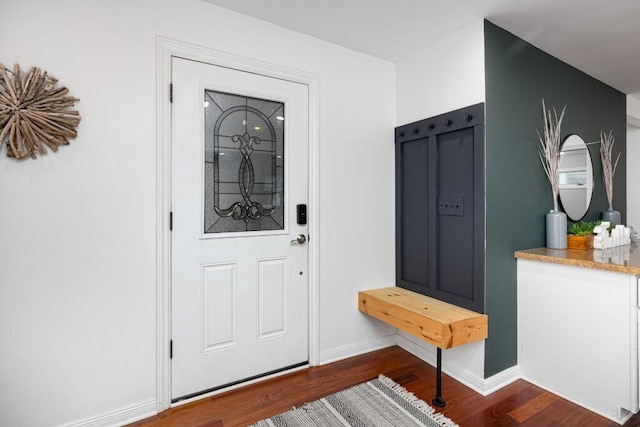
(518, 404)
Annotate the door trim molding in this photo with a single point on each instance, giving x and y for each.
(167, 48)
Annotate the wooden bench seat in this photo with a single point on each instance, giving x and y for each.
(436, 322)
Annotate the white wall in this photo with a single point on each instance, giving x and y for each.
(445, 76)
(77, 227)
(633, 171)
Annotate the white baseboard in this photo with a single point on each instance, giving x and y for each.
(121, 417)
(624, 415)
(484, 386)
(459, 373)
(428, 355)
(418, 350)
(501, 379)
(356, 349)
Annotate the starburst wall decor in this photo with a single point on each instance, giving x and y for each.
(34, 113)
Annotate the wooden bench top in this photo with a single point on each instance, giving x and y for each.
(437, 322)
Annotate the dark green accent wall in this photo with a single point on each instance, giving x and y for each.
(518, 77)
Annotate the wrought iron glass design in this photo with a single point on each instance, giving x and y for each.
(243, 163)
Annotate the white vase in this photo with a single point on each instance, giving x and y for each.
(556, 228)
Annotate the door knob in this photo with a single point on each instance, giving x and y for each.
(299, 240)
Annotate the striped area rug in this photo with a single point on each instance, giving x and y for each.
(377, 403)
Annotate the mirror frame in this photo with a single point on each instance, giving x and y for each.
(575, 177)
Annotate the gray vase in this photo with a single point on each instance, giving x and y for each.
(556, 228)
(612, 216)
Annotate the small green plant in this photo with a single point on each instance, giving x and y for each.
(583, 228)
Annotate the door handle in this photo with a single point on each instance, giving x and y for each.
(300, 240)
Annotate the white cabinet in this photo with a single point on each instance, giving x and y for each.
(578, 335)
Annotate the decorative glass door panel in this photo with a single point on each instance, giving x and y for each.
(244, 163)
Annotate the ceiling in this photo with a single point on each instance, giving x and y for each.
(601, 38)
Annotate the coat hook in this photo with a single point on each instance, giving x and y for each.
(416, 130)
(401, 134)
(469, 117)
(432, 126)
(449, 122)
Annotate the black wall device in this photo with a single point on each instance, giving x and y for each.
(301, 214)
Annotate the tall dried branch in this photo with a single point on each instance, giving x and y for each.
(608, 166)
(550, 147)
(34, 113)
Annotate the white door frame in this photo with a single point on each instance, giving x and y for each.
(166, 49)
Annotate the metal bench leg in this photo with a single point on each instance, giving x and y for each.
(438, 400)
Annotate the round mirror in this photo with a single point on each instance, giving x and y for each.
(575, 177)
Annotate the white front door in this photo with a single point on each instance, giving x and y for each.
(239, 286)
